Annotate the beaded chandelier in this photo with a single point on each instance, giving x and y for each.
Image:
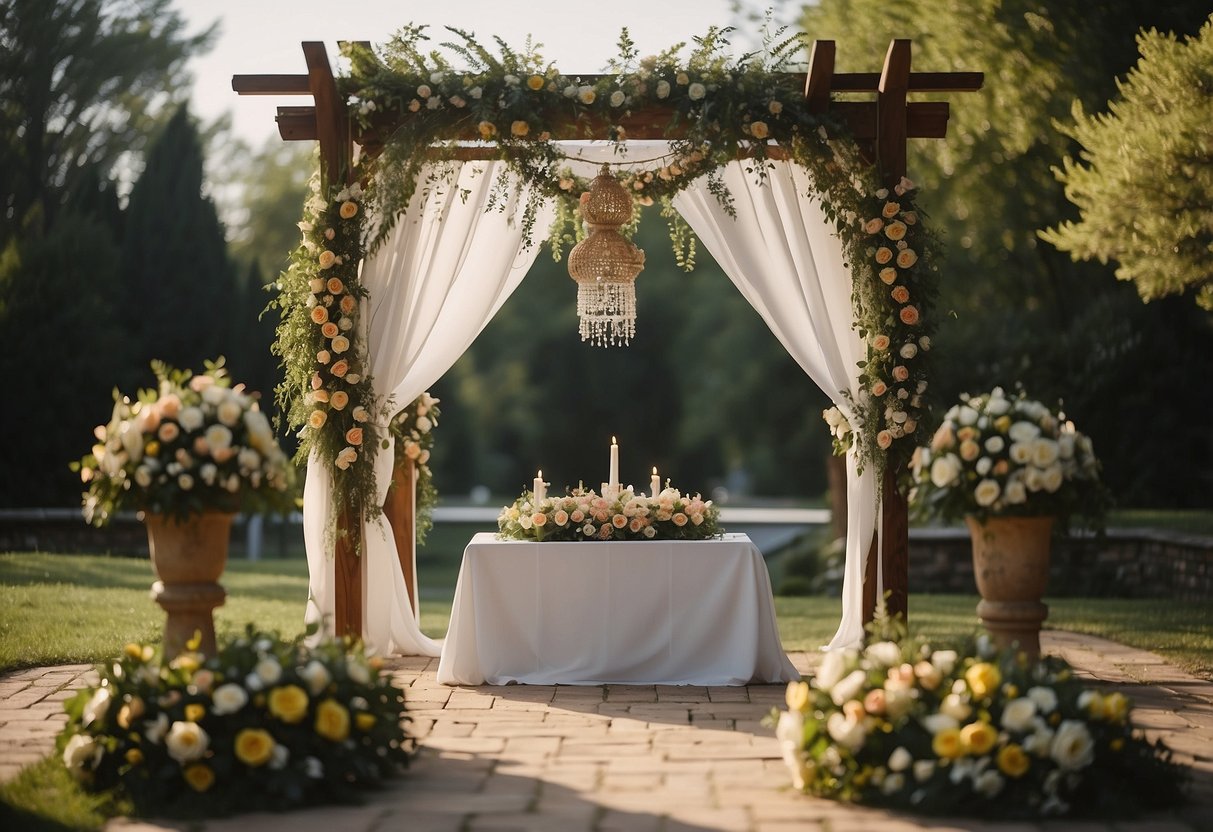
(605, 265)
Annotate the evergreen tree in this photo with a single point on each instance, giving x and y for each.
(180, 300)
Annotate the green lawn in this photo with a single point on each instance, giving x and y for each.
(80, 608)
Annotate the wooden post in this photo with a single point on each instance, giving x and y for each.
(400, 510)
(347, 579)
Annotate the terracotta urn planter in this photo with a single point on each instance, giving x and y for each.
(1011, 565)
(188, 557)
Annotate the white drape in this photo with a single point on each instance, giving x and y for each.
(444, 271)
(784, 257)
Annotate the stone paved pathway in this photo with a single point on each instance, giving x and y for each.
(632, 759)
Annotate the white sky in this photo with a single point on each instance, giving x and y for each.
(263, 36)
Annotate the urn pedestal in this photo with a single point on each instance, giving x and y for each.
(188, 557)
(1011, 566)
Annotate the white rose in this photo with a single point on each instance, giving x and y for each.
(186, 741)
(1020, 453)
(833, 668)
(185, 482)
(966, 415)
(96, 707)
(850, 687)
(986, 492)
(850, 734)
(1023, 432)
(357, 671)
(983, 466)
(424, 424)
(1033, 479)
(893, 783)
(143, 476)
(663, 89)
(945, 470)
(213, 395)
(1051, 478)
(279, 757)
(955, 706)
(1019, 715)
(82, 752)
(617, 98)
(696, 91)
(998, 404)
(316, 675)
(229, 411)
(989, 783)
(1072, 747)
(1044, 452)
(312, 767)
(1040, 741)
(268, 670)
(249, 459)
(227, 699)
(923, 769)
(1016, 493)
(884, 653)
(900, 759)
(1045, 699)
(995, 444)
(208, 472)
(1065, 446)
(154, 730)
(218, 437)
(934, 723)
(790, 728)
(190, 419)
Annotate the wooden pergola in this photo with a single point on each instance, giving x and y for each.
(881, 126)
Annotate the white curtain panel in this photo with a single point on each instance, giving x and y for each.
(783, 255)
(440, 276)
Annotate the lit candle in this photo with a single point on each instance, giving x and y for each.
(613, 479)
(541, 490)
(655, 483)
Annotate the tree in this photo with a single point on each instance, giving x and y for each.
(1145, 192)
(81, 83)
(179, 293)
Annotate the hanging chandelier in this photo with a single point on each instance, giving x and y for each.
(605, 265)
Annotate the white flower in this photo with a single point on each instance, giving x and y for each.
(696, 91)
(279, 757)
(186, 741)
(424, 424)
(312, 767)
(850, 687)
(357, 671)
(884, 653)
(935, 723)
(190, 418)
(983, 466)
(1019, 715)
(663, 89)
(923, 769)
(268, 670)
(1045, 699)
(218, 438)
(908, 351)
(229, 698)
(833, 668)
(316, 675)
(995, 444)
(955, 706)
(1072, 747)
(1040, 741)
(617, 98)
(989, 783)
(944, 660)
(1044, 452)
(790, 728)
(82, 752)
(1023, 432)
(570, 91)
(945, 470)
(436, 77)
(986, 492)
(476, 92)
(966, 415)
(185, 482)
(424, 91)
(900, 759)
(229, 411)
(154, 730)
(848, 733)
(1015, 492)
(893, 783)
(96, 707)
(1051, 478)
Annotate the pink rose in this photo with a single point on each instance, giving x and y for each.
(348, 303)
(340, 368)
(900, 373)
(354, 436)
(909, 315)
(881, 342)
(884, 439)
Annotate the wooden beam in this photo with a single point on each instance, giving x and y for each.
(271, 84)
(818, 82)
(918, 81)
(347, 579)
(332, 121)
(891, 112)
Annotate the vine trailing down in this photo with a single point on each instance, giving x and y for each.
(426, 104)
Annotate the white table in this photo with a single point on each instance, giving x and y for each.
(590, 613)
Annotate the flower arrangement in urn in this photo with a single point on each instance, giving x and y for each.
(995, 455)
(262, 724)
(903, 725)
(193, 443)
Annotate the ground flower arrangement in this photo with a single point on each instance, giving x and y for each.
(263, 724)
(585, 515)
(900, 725)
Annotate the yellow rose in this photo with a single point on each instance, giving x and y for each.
(199, 776)
(797, 694)
(947, 744)
(133, 756)
(289, 703)
(326, 259)
(133, 651)
(983, 679)
(364, 721)
(348, 209)
(535, 82)
(254, 747)
(332, 720)
(978, 737)
(1013, 761)
(194, 712)
(1115, 707)
(520, 128)
(759, 130)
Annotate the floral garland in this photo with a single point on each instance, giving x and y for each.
(326, 393)
(901, 725)
(585, 515)
(413, 429)
(263, 724)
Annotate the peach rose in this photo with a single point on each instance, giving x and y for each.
(339, 400)
(900, 373)
(883, 255)
(348, 209)
(900, 294)
(323, 357)
(330, 330)
(636, 525)
(890, 209)
(317, 419)
(873, 226)
(354, 436)
(326, 259)
(340, 368)
(487, 129)
(906, 258)
(347, 304)
(320, 396)
(760, 130)
(909, 315)
(884, 439)
(619, 521)
(335, 285)
(535, 82)
(879, 389)
(319, 314)
(888, 274)
(539, 518)
(881, 342)
(520, 128)
(341, 344)
(680, 519)
(895, 231)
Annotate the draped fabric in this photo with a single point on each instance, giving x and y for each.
(447, 266)
(783, 255)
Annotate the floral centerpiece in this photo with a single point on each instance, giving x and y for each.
(902, 725)
(585, 515)
(263, 724)
(194, 443)
(996, 455)
(413, 429)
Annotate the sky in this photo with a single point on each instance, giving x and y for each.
(263, 36)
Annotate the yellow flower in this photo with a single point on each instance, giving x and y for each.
(348, 209)
(133, 651)
(983, 679)
(487, 129)
(759, 130)
(535, 82)
(134, 756)
(332, 720)
(194, 712)
(186, 661)
(947, 743)
(254, 747)
(978, 737)
(1013, 761)
(1115, 707)
(364, 721)
(326, 259)
(797, 696)
(289, 703)
(520, 128)
(199, 776)
(152, 449)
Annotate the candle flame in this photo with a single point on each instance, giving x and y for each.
(540, 474)
(613, 440)
(654, 470)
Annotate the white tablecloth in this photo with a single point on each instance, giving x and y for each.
(589, 613)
